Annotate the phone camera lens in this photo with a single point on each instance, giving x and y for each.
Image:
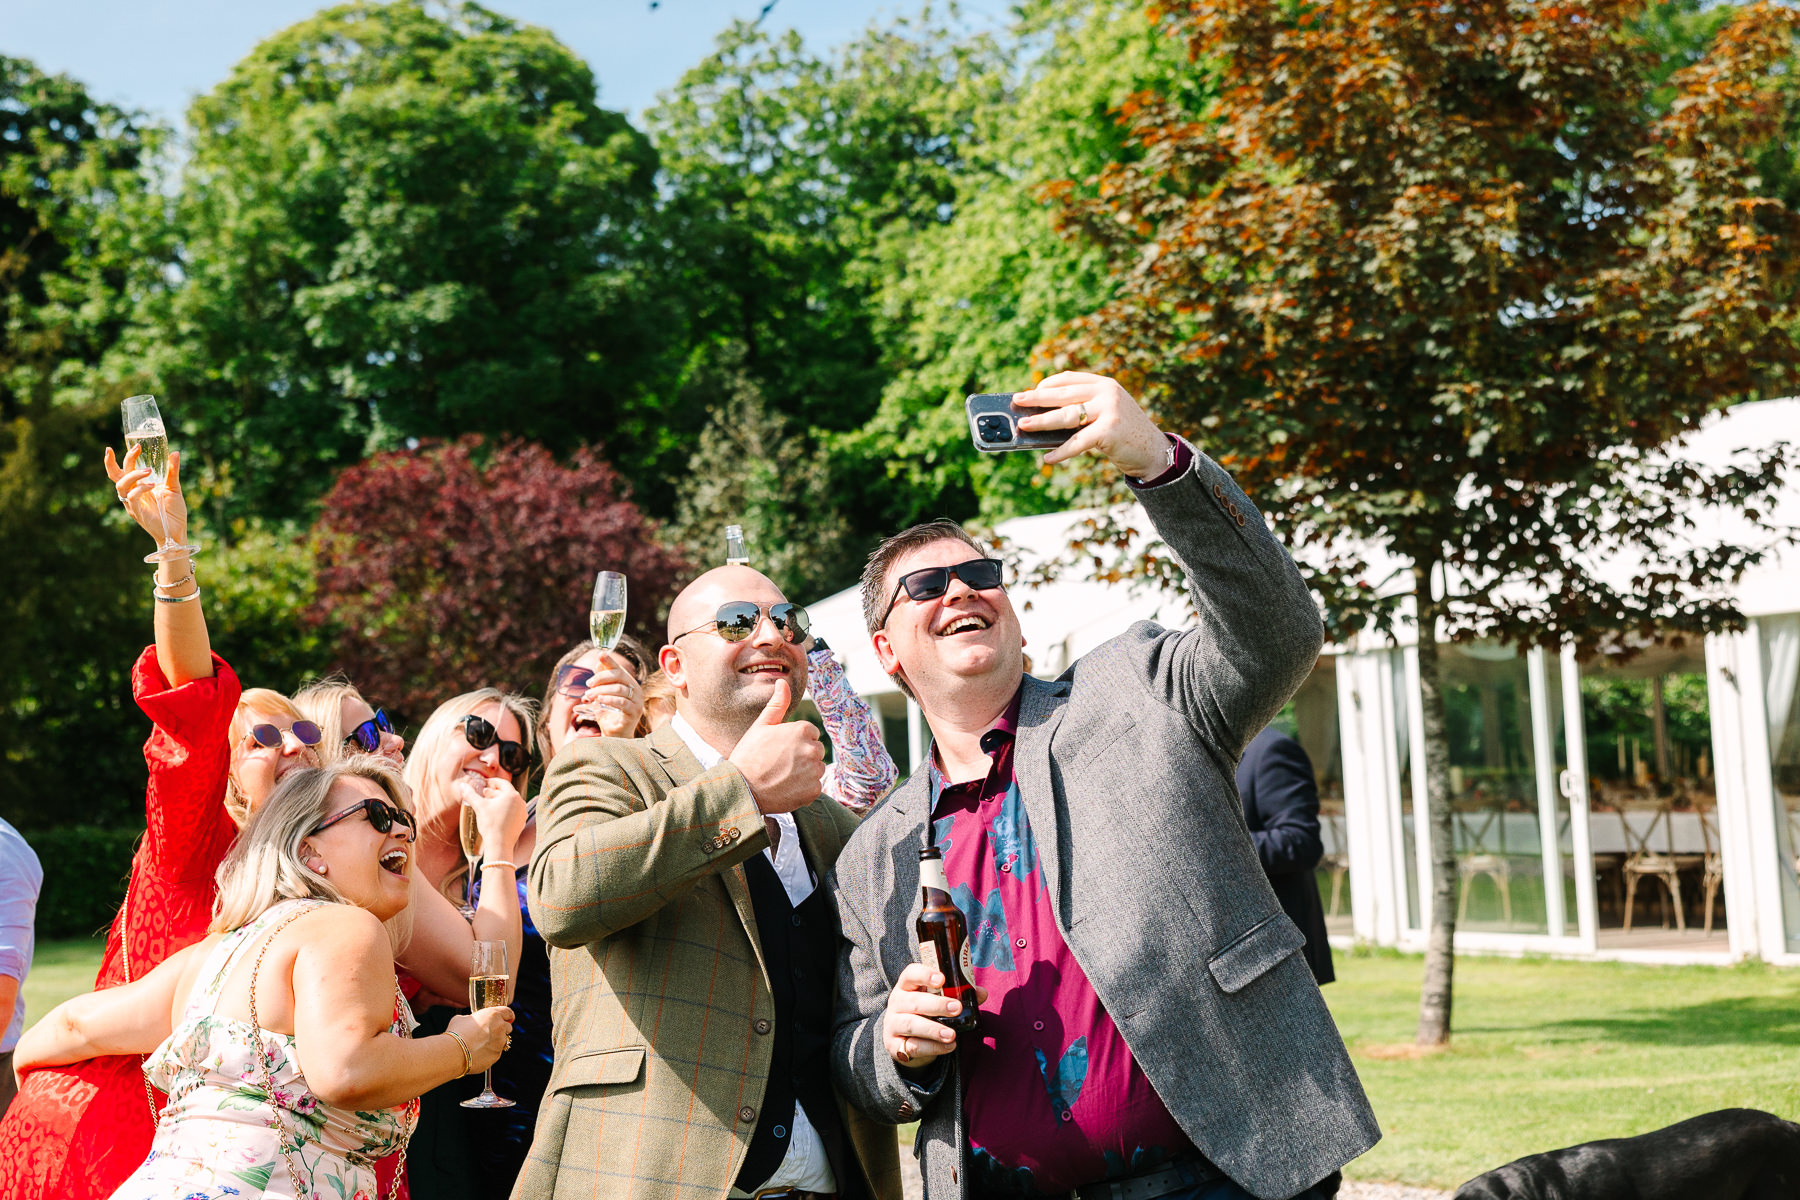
(994, 427)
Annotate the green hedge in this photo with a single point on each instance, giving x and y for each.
(85, 868)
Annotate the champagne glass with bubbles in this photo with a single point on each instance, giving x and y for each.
(606, 621)
(144, 429)
(469, 833)
(488, 978)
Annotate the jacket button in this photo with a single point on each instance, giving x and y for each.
(747, 1115)
(762, 1025)
(1218, 491)
(906, 1110)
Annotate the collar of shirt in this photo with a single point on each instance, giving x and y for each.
(997, 742)
(788, 859)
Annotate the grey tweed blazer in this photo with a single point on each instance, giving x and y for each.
(1125, 766)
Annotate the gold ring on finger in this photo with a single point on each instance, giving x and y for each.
(1081, 414)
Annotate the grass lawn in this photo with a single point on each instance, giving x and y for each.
(1544, 1054)
(60, 970)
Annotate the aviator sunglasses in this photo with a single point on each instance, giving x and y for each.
(480, 735)
(980, 574)
(269, 736)
(382, 817)
(737, 620)
(367, 736)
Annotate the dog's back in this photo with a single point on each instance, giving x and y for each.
(1732, 1154)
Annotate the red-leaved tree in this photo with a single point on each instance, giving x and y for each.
(464, 564)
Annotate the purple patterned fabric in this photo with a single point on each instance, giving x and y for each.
(861, 770)
(1053, 1098)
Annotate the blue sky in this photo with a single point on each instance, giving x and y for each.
(159, 54)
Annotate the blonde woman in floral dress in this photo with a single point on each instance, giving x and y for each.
(282, 1039)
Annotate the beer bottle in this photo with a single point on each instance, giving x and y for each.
(944, 940)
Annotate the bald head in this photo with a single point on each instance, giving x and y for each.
(700, 599)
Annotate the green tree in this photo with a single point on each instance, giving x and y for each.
(1450, 279)
(752, 468)
(400, 224)
(964, 303)
(80, 243)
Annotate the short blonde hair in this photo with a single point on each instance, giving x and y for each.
(264, 867)
(254, 700)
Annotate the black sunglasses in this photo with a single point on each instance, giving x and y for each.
(269, 736)
(514, 758)
(738, 619)
(367, 736)
(980, 574)
(382, 817)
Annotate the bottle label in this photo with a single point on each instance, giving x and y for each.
(968, 964)
(929, 956)
(931, 874)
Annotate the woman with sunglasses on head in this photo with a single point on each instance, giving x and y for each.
(282, 1038)
(214, 754)
(475, 749)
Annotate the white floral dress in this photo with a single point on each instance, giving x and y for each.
(215, 1138)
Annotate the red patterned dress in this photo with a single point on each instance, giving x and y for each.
(77, 1132)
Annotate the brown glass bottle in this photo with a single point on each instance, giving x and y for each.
(944, 940)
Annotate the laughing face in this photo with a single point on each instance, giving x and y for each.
(369, 868)
(963, 635)
(727, 684)
(257, 768)
(570, 717)
(459, 760)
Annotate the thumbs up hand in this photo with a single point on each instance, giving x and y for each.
(783, 760)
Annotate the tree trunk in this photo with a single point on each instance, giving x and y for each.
(1440, 954)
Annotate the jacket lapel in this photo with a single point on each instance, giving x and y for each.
(1040, 712)
(682, 768)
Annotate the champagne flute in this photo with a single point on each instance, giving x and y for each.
(144, 429)
(487, 989)
(606, 620)
(469, 833)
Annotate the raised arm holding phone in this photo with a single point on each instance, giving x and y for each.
(1145, 1018)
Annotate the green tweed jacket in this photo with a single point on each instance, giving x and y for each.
(661, 1000)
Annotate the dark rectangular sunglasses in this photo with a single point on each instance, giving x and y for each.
(738, 619)
(382, 817)
(269, 736)
(932, 582)
(514, 758)
(367, 736)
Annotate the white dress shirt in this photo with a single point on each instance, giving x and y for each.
(805, 1166)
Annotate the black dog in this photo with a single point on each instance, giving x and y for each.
(1732, 1154)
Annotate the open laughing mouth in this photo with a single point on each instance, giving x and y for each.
(776, 669)
(968, 624)
(394, 861)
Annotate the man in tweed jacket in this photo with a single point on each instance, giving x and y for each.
(691, 971)
(1148, 1027)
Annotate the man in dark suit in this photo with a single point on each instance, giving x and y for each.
(1281, 806)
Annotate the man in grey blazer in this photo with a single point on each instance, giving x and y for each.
(1148, 1026)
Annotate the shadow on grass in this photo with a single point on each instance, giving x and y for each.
(1738, 1020)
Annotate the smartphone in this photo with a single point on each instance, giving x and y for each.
(994, 425)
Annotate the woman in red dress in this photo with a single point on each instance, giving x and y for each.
(76, 1132)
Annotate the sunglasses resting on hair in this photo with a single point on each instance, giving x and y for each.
(737, 620)
(981, 574)
(367, 736)
(480, 734)
(382, 817)
(269, 736)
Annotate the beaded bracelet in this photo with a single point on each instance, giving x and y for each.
(499, 862)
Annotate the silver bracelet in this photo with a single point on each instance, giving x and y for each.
(162, 599)
(188, 578)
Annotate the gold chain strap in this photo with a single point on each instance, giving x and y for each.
(301, 1191)
(125, 956)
